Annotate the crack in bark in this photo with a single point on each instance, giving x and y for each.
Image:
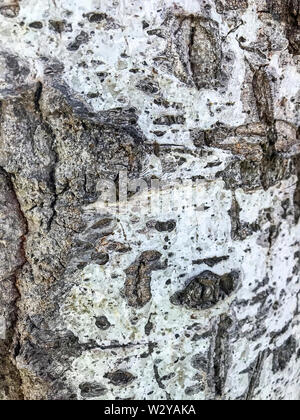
(240, 230)
(138, 278)
(13, 346)
(221, 354)
(37, 97)
(191, 46)
(255, 375)
(52, 178)
(265, 107)
(54, 201)
(160, 382)
(112, 346)
(297, 191)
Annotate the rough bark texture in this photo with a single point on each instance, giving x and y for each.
(198, 301)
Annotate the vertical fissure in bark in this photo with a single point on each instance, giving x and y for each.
(10, 348)
(234, 213)
(297, 190)
(221, 354)
(52, 175)
(53, 204)
(255, 375)
(37, 97)
(191, 46)
(265, 108)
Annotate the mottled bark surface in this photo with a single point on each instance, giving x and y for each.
(199, 300)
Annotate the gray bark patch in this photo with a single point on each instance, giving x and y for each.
(194, 53)
(226, 5)
(283, 354)
(288, 12)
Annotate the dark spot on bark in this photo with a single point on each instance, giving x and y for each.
(283, 354)
(159, 133)
(97, 17)
(285, 206)
(120, 377)
(54, 68)
(102, 323)
(200, 362)
(194, 389)
(117, 247)
(36, 25)
(275, 334)
(149, 326)
(157, 32)
(17, 72)
(102, 76)
(103, 223)
(160, 380)
(101, 258)
(163, 102)
(73, 46)
(12, 64)
(211, 262)
(138, 278)
(206, 290)
(93, 95)
(60, 26)
(92, 390)
(213, 164)
(168, 226)
(12, 10)
(169, 120)
(148, 86)
(81, 39)
(37, 96)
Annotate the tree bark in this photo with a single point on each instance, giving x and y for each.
(183, 283)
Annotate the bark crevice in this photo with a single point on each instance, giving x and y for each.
(9, 350)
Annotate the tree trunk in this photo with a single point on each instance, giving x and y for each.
(149, 199)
